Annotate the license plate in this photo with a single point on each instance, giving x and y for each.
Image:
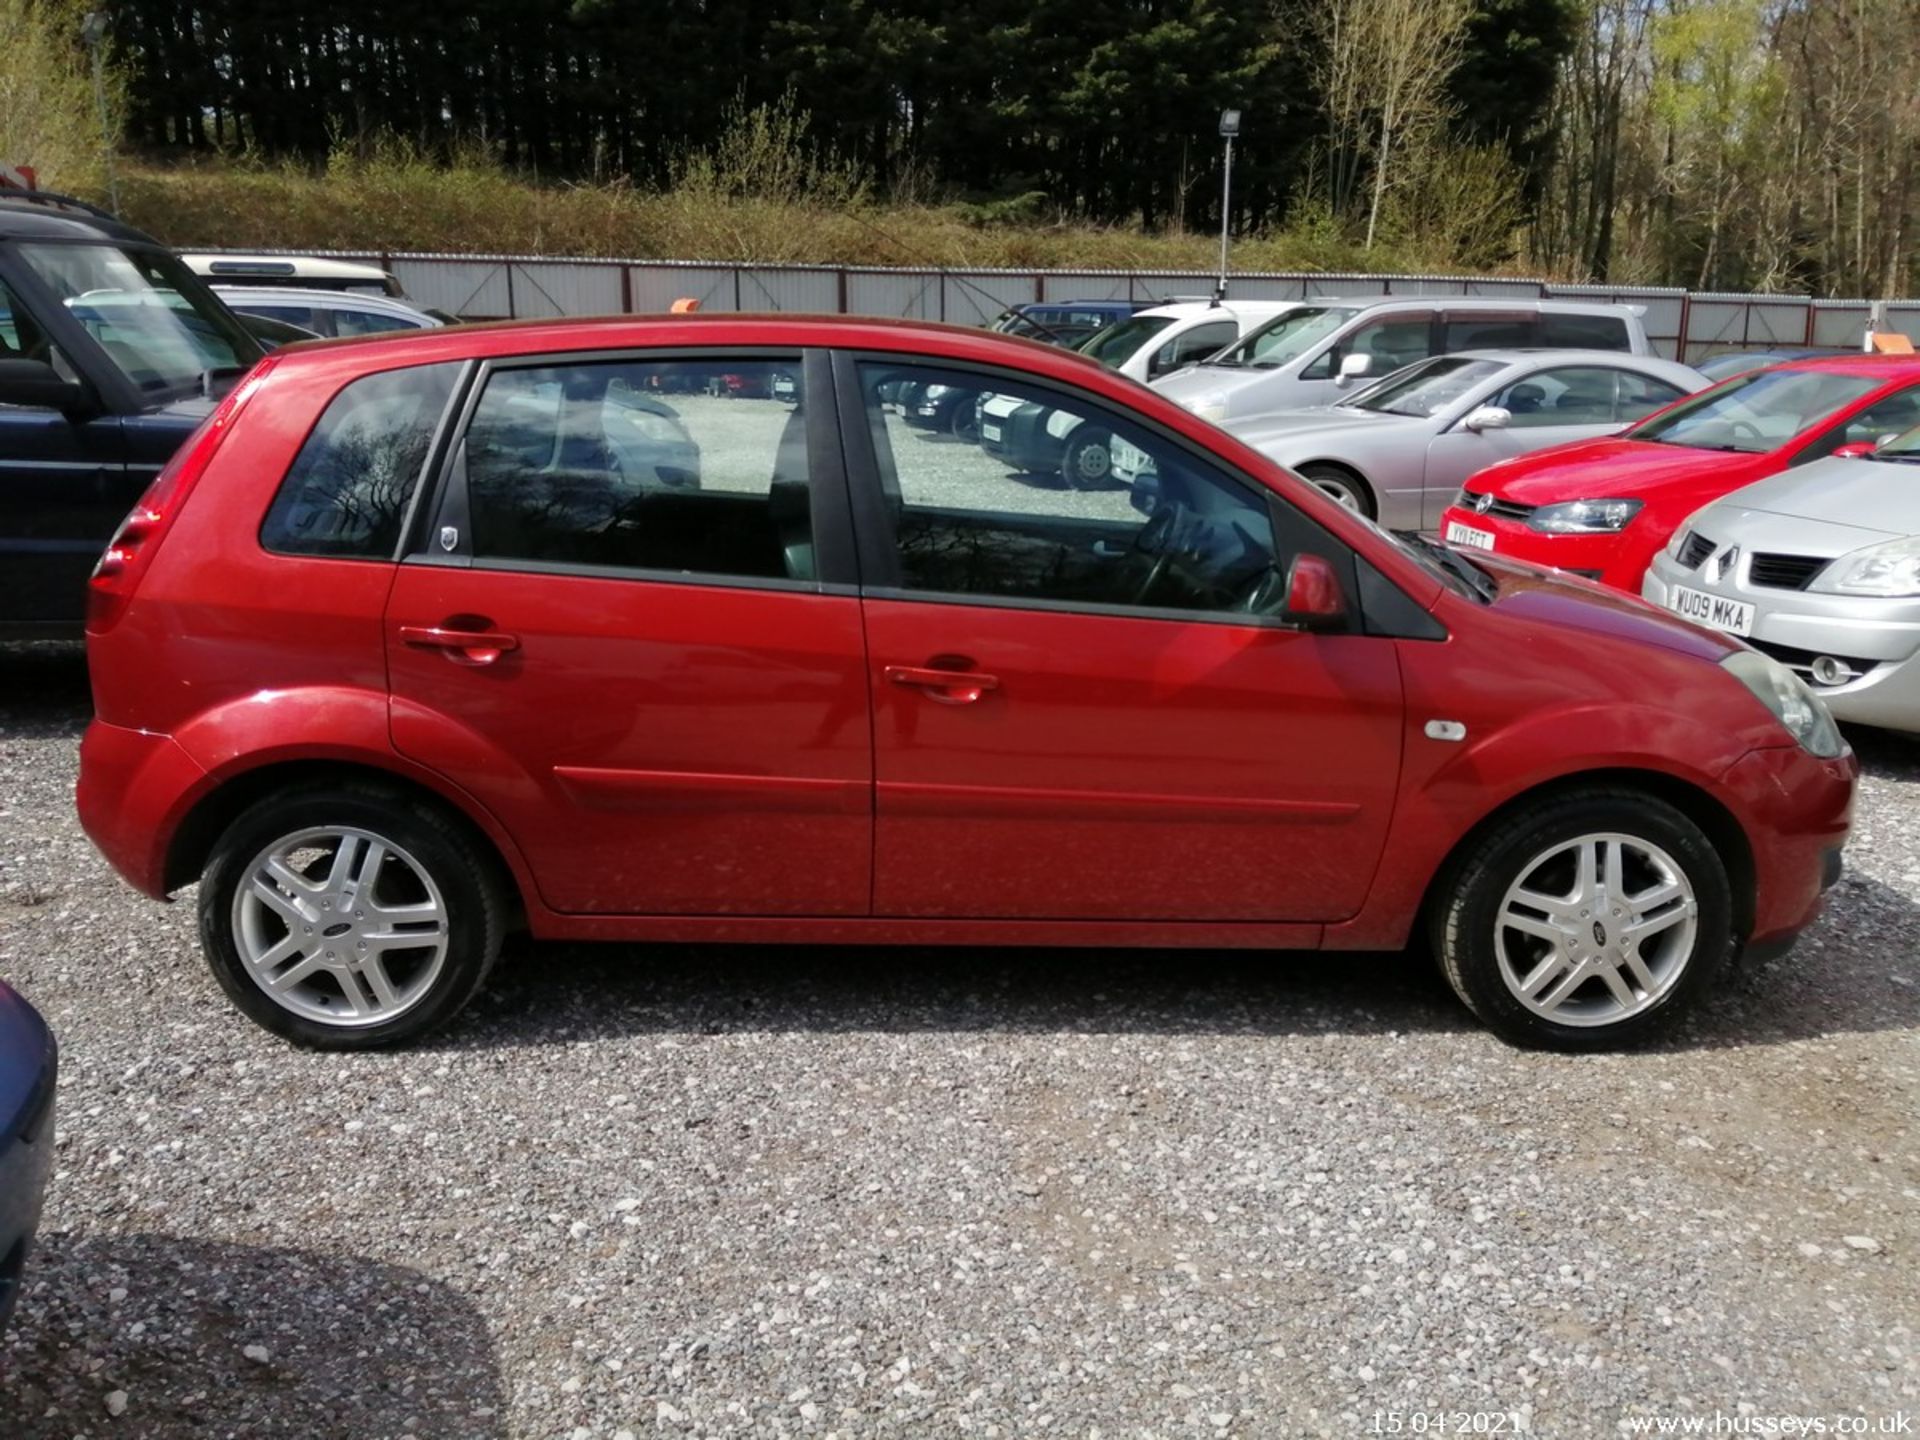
(1733, 616)
(991, 432)
(1458, 534)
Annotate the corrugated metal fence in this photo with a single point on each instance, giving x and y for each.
(1681, 324)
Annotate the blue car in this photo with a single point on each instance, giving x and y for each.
(28, 1062)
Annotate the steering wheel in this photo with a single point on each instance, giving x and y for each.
(1156, 537)
(1753, 431)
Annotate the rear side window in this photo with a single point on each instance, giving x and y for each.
(347, 492)
(1583, 332)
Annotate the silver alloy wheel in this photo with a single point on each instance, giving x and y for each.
(1338, 488)
(1596, 929)
(340, 925)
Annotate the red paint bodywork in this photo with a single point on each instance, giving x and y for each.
(1672, 481)
(657, 760)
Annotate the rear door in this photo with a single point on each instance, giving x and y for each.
(1083, 708)
(63, 487)
(631, 633)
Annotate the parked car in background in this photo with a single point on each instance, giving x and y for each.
(1400, 448)
(1316, 351)
(1166, 338)
(1603, 508)
(1730, 363)
(305, 272)
(860, 688)
(29, 1061)
(111, 353)
(272, 334)
(1063, 322)
(326, 313)
(1818, 567)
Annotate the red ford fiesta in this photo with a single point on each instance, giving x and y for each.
(423, 639)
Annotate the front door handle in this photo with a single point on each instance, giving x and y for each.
(463, 647)
(949, 687)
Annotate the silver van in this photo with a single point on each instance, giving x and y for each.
(1316, 350)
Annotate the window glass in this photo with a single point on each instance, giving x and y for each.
(1061, 501)
(1641, 395)
(1116, 344)
(1568, 395)
(20, 337)
(1428, 388)
(347, 491)
(1196, 344)
(1389, 342)
(1883, 420)
(154, 319)
(368, 322)
(1287, 337)
(1486, 332)
(1756, 412)
(305, 316)
(1558, 331)
(689, 466)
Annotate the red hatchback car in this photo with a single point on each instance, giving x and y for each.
(1603, 508)
(425, 639)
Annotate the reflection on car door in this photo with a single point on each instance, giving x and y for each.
(1072, 720)
(633, 666)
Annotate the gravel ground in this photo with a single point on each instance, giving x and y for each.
(908, 1193)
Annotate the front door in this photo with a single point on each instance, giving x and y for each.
(624, 639)
(63, 487)
(1083, 708)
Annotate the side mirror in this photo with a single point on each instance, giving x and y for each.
(36, 383)
(1314, 598)
(1353, 367)
(1487, 417)
(1858, 450)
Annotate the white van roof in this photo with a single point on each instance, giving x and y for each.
(288, 270)
(1238, 309)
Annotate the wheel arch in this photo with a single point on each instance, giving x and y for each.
(1718, 823)
(1369, 492)
(200, 828)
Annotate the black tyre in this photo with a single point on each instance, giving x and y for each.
(965, 424)
(1087, 462)
(349, 916)
(1343, 486)
(1586, 921)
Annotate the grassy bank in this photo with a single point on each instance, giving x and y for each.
(397, 201)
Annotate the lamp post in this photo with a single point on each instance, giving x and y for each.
(93, 30)
(1229, 128)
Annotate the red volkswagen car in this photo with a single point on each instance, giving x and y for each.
(1603, 508)
(426, 639)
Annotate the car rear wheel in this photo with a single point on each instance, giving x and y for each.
(1342, 486)
(1087, 463)
(966, 420)
(1585, 921)
(345, 917)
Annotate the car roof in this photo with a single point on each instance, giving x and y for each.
(313, 299)
(46, 219)
(1569, 355)
(320, 267)
(1478, 302)
(1190, 309)
(1875, 367)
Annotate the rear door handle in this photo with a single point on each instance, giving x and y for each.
(463, 647)
(949, 687)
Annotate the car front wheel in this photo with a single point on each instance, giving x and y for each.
(345, 917)
(1341, 486)
(1585, 921)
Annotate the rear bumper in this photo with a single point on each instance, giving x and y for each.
(134, 786)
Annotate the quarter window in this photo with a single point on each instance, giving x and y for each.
(1560, 331)
(347, 491)
(1063, 502)
(685, 466)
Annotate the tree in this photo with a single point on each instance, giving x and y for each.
(48, 115)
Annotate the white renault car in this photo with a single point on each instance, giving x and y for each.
(1170, 337)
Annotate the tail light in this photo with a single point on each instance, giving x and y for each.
(130, 551)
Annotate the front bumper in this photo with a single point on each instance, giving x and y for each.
(1614, 560)
(29, 1066)
(1877, 640)
(1796, 810)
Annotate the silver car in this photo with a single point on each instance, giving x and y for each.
(1400, 449)
(1818, 567)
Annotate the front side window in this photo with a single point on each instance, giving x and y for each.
(1426, 389)
(1881, 423)
(1755, 413)
(155, 320)
(1388, 343)
(1286, 337)
(1195, 344)
(1641, 395)
(1161, 530)
(688, 466)
(347, 491)
(1569, 395)
(1117, 344)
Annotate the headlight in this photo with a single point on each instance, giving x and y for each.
(1210, 407)
(1584, 517)
(1888, 570)
(1803, 714)
(934, 392)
